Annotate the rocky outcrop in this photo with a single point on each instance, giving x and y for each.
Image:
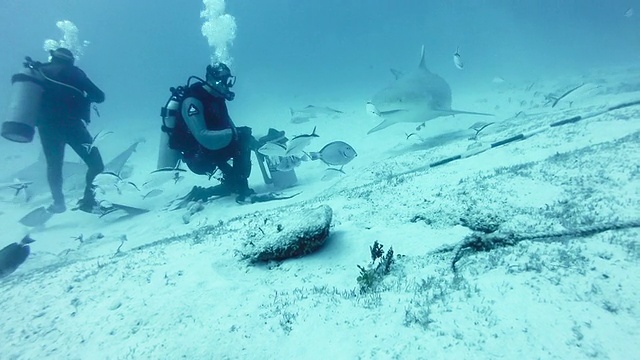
(288, 234)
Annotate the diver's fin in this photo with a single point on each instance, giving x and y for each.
(36, 217)
(26, 240)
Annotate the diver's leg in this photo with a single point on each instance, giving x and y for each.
(78, 138)
(199, 163)
(53, 147)
(242, 162)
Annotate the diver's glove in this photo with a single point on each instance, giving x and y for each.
(245, 138)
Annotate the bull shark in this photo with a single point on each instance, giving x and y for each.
(34, 175)
(416, 97)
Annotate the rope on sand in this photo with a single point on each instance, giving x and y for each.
(479, 241)
(522, 136)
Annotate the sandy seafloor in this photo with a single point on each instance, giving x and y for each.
(154, 287)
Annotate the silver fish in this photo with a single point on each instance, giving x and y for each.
(457, 59)
(152, 193)
(296, 145)
(96, 139)
(628, 13)
(332, 173)
(273, 149)
(335, 153)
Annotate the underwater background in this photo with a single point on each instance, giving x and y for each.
(514, 236)
(285, 49)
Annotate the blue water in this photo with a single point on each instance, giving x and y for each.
(286, 47)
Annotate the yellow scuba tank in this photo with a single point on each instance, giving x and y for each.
(24, 108)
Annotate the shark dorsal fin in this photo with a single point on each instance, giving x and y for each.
(422, 65)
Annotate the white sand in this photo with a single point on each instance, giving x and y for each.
(176, 290)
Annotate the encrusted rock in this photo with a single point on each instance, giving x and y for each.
(288, 234)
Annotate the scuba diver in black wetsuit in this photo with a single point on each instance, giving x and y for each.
(65, 107)
(202, 134)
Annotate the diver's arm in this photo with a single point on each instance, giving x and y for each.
(93, 93)
(193, 115)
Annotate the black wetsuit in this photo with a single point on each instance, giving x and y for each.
(63, 110)
(202, 161)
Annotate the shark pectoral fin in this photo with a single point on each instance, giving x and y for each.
(390, 112)
(460, 112)
(397, 74)
(383, 125)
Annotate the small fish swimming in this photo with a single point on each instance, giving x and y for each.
(296, 145)
(332, 173)
(335, 153)
(109, 178)
(13, 255)
(17, 185)
(96, 139)
(457, 59)
(152, 193)
(176, 168)
(478, 127)
(556, 99)
(498, 80)
(628, 13)
(310, 112)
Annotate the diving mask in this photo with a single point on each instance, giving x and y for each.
(220, 74)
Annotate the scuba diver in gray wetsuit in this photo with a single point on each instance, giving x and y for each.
(65, 107)
(202, 134)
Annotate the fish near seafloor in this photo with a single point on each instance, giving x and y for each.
(335, 153)
(415, 97)
(296, 145)
(332, 173)
(13, 255)
(311, 112)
